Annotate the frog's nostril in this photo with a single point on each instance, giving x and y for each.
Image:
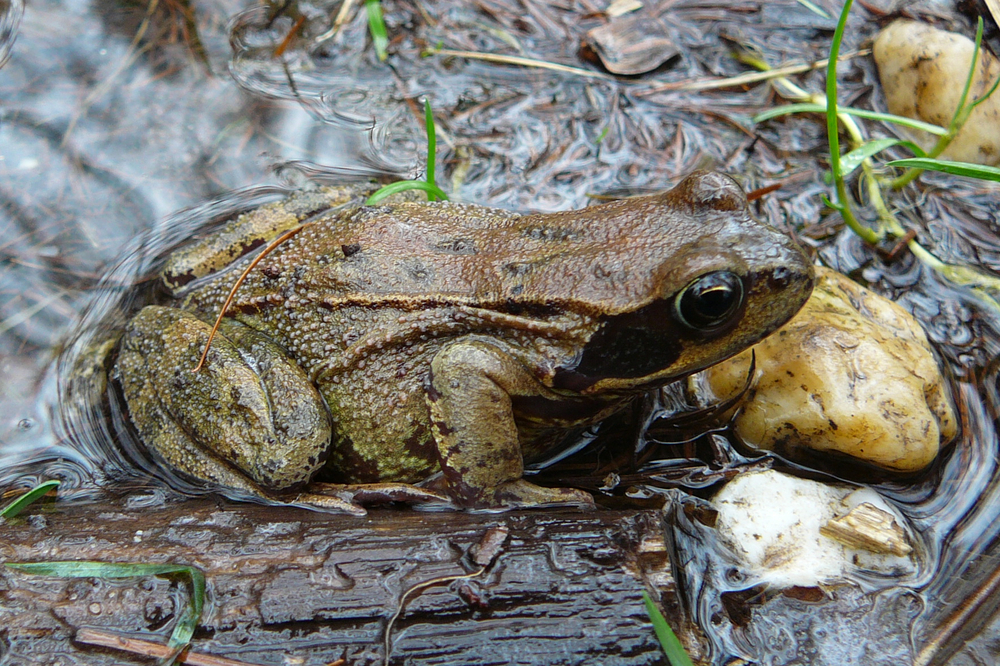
(780, 277)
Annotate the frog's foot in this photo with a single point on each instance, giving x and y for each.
(524, 494)
(380, 493)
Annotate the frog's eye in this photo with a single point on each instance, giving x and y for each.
(709, 302)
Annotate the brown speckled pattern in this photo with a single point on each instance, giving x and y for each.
(368, 299)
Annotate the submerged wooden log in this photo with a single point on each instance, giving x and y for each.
(292, 586)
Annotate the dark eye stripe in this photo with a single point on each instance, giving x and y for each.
(636, 344)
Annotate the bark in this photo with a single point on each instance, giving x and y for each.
(290, 586)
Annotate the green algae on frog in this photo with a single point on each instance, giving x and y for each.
(384, 344)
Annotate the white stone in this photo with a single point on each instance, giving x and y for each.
(771, 523)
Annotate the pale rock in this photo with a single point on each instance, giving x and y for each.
(773, 526)
(851, 373)
(923, 70)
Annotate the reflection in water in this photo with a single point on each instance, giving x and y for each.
(113, 118)
(101, 136)
(92, 417)
(10, 17)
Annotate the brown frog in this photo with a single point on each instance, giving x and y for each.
(384, 344)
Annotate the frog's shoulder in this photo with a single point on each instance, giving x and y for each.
(245, 232)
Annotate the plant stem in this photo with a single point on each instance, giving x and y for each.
(431, 148)
(832, 132)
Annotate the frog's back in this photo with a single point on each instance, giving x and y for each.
(605, 259)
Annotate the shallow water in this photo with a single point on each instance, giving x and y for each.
(112, 119)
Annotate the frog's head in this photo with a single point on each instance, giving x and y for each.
(707, 281)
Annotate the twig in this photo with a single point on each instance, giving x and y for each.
(337, 22)
(232, 293)
(290, 37)
(521, 61)
(150, 648)
(418, 588)
(483, 554)
(750, 77)
(958, 619)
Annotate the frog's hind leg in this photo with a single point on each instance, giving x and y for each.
(249, 419)
(472, 382)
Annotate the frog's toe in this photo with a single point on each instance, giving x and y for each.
(330, 504)
(523, 494)
(380, 493)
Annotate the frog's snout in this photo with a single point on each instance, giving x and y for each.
(788, 276)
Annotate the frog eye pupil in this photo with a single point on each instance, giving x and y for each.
(709, 302)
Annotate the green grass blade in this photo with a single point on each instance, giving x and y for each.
(809, 107)
(431, 148)
(962, 110)
(402, 186)
(804, 107)
(986, 95)
(28, 498)
(896, 120)
(672, 647)
(955, 168)
(853, 159)
(376, 25)
(979, 35)
(186, 623)
(434, 193)
(972, 69)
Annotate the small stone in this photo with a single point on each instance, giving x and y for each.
(632, 45)
(775, 527)
(923, 70)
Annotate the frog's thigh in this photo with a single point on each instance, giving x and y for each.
(240, 425)
(470, 401)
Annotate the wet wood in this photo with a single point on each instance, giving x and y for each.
(300, 587)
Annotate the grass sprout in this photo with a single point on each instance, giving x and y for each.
(434, 193)
(28, 498)
(811, 107)
(190, 617)
(676, 654)
(852, 160)
(862, 151)
(376, 26)
(968, 169)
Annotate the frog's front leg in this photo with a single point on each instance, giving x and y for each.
(249, 419)
(472, 383)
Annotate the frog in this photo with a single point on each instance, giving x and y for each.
(427, 351)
